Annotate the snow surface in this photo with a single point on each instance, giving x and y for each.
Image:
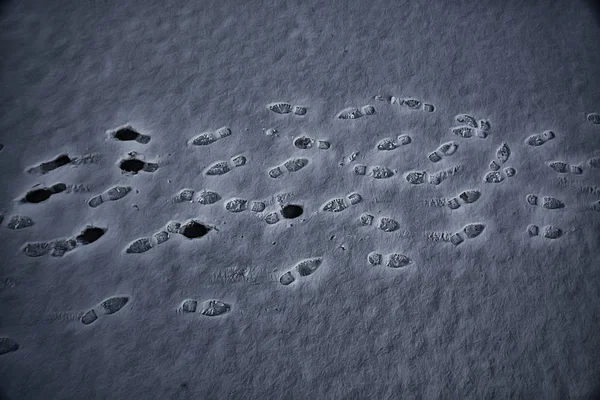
(382, 288)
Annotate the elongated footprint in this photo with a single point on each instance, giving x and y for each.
(110, 306)
(548, 202)
(302, 269)
(113, 194)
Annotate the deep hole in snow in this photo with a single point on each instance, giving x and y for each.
(126, 134)
(291, 211)
(131, 165)
(90, 235)
(193, 230)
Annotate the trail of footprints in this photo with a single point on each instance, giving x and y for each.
(468, 127)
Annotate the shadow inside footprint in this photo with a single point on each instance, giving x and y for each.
(132, 165)
(291, 211)
(89, 235)
(194, 229)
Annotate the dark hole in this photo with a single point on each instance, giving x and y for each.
(61, 160)
(194, 230)
(38, 195)
(291, 211)
(126, 134)
(59, 187)
(90, 235)
(132, 165)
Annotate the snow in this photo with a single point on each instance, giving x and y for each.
(391, 283)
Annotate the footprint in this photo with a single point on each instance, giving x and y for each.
(133, 165)
(214, 308)
(43, 194)
(416, 177)
(184, 196)
(493, 177)
(299, 110)
(113, 194)
(110, 306)
(412, 104)
(257, 206)
(374, 258)
(350, 113)
(236, 205)
(161, 237)
(207, 197)
(302, 269)
(387, 224)
(503, 153)
(510, 172)
(379, 172)
(466, 197)
(485, 125)
(218, 168)
(396, 260)
(464, 132)
(127, 133)
(303, 142)
(540, 139)
(340, 204)
(206, 138)
(387, 144)
(549, 231)
(445, 150)
(469, 231)
(19, 222)
(563, 168)
(7, 345)
(291, 166)
(466, 119)
(594, 118)
(59, 247)
(404, 140)
(366, 219)
(427, 107)
(51, 165)
(280, 107)
(548, 202)
(291, 211)
(139, 246)
(360, 169)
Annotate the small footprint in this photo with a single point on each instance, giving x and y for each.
(340, 204)
(43, 194)
(8, 345)
(222, 167)
(206, 138)
(379, 172)
(51, 165)
(564, 168)
(467, 132)
(126, 133)
(549, 231)
(302, 269)
(207, 197)
(466, 197)
(110, 306)
(594, 118)
(392, 260)
(469, 231)
(445, 150)
(355, 112)
(209, 308)
(113, 194)
(236, 205)
(503, 153)
(548, 202)
(305, 143)
(291, 165)
(286, 108)
(540, 139)
(387, 224)
(184, 196)
(19, 222)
